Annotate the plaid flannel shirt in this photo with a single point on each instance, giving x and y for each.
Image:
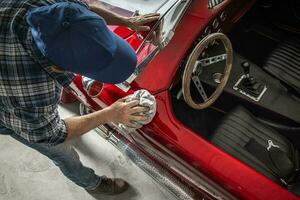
(29, 90)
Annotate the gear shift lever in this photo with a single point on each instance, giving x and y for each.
(250, 84)
(246, 68)
(248, 81)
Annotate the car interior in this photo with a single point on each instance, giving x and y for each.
(256, 119)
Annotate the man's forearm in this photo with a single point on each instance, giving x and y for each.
(80, 125)
(110, 17)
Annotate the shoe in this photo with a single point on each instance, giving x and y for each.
(110, 186)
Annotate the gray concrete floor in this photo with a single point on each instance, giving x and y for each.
(27, 175)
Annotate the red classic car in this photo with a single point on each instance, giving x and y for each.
(228, 106)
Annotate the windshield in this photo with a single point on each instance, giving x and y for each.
(144, 6)
(147, 45)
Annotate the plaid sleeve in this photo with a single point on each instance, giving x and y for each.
(43, 126)
(40, 3)
(82, 2)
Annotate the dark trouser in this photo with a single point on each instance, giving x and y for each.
(66, 158)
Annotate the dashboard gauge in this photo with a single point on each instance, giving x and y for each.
(223, 16)
(207, 30)
(216, 23)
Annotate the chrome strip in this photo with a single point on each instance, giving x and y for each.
(159, 174)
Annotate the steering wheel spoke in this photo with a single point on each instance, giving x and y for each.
(199, 87)
(211, 60)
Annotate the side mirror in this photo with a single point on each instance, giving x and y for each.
(93, 88)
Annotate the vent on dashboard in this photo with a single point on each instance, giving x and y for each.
(213, 3)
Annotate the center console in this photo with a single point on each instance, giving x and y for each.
(256, 90)
(250, 86)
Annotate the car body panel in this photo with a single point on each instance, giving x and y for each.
(165, 131)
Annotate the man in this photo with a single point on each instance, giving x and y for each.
(40, 41)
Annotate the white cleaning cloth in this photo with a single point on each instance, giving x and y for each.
(145, 99)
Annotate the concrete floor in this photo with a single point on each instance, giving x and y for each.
(28, 175)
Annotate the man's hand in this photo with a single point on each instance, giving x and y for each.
(119, 112)
(141, 22)
(126, 112)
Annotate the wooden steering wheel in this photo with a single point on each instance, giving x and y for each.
(191, 71)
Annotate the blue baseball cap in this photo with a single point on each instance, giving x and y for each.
(78, 40)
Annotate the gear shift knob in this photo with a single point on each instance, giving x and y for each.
(246, 68)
